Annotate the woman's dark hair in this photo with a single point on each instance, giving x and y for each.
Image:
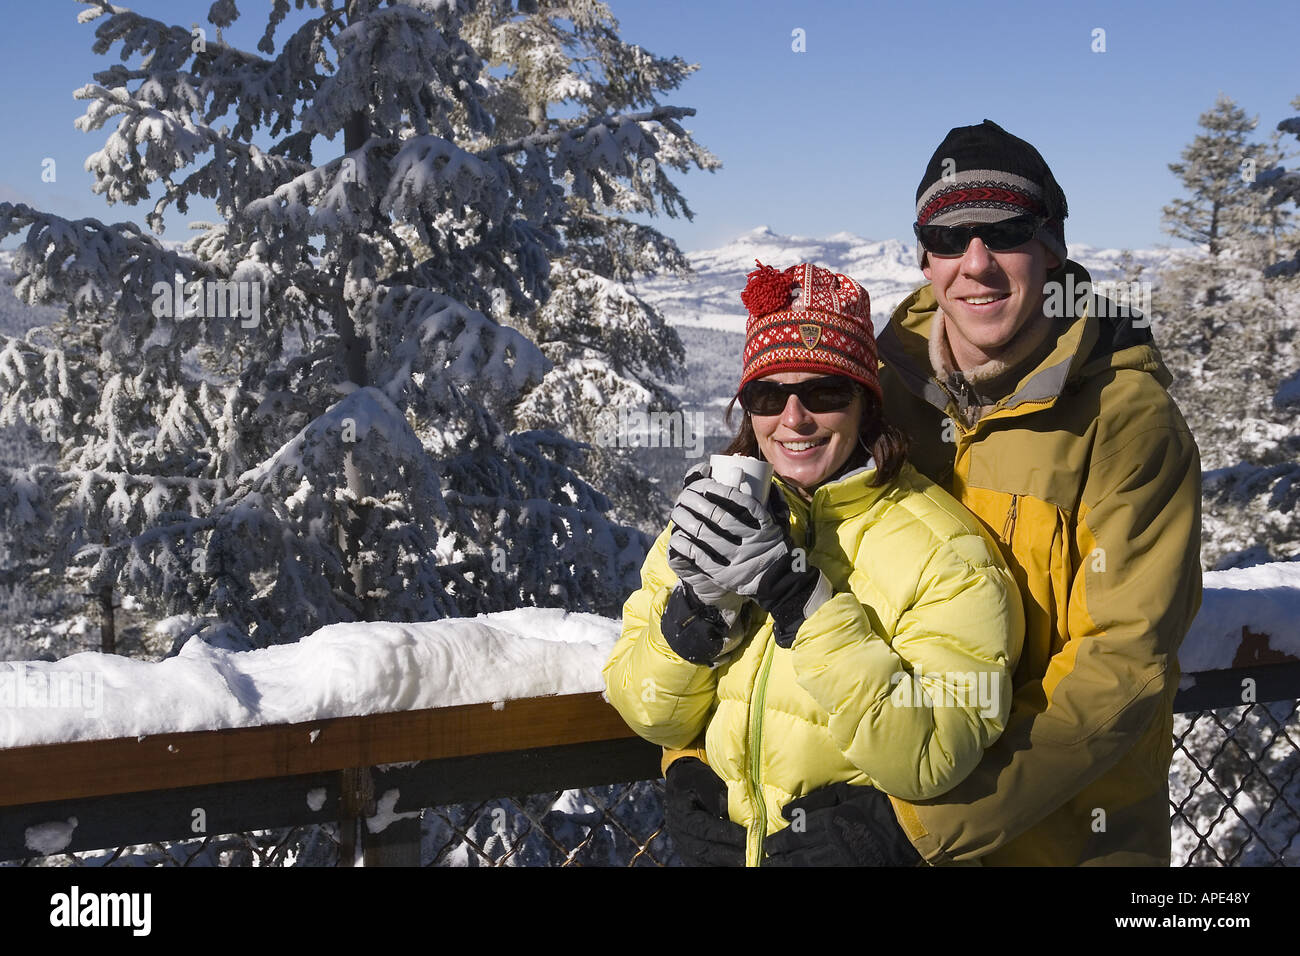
(888, 445)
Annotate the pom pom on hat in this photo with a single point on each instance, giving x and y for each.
(768, 290)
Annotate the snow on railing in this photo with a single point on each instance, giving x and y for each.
(1247, 618)
(344, 670)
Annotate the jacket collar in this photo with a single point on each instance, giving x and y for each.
(980, 389)
(840, 497)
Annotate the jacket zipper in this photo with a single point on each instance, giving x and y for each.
(754, 851)
(1010, 525)
(758, 703)
(961, 392)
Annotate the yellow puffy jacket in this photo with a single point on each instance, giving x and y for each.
(899, 681)
(1089, 478)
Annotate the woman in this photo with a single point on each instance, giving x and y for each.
(859, 627)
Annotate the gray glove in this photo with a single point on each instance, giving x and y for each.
(703, 588)
(727, 534)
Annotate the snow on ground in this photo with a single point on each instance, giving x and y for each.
(354, 669)
(50, 838)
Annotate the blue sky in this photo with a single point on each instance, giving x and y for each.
(828, 140)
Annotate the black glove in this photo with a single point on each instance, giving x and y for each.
(841, 825)
(695, 812)
(697, 632)
(789, 594)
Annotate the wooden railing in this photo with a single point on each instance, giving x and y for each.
(183, 785)
(173, 787)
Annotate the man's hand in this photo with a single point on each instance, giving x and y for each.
(695, 811)
(841, 825)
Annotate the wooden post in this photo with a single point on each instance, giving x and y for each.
(357, 801)
(398, 842)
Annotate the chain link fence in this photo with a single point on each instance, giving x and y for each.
(614, 825)
(617, 825)
(1234, 786)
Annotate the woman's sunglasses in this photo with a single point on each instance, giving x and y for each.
(951, 241)
(829, 394)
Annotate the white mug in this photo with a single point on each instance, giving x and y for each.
(750, 475)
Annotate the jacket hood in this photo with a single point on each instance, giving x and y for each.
(1095, 336)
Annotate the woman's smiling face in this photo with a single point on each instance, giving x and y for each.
(784, 439)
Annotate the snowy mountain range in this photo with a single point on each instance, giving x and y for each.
(886, 268)
(711, 297)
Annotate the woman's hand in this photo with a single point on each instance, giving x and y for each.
(728, 537)
(698, 632)
(702, 587)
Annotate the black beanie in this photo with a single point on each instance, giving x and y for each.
(984, 174)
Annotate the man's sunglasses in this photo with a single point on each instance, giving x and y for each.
(829, 394)
(950, 241)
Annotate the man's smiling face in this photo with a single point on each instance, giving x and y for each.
(988, 296)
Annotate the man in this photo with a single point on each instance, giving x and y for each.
(1046, 413)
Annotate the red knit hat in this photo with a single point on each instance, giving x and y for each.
(808, 319)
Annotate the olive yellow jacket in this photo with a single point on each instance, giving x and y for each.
(899, 681)
(1088, 477)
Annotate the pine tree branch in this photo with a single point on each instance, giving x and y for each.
(536, 141)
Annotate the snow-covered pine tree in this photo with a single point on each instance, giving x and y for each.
(1282, 185)
(610, 349)
(348, 461)
(1217, 170)
(1225, 328)
(1271, 489)
(48, 372)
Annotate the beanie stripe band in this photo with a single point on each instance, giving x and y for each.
(975, 177)
(983, 195)
(780, 341)
(808, 319)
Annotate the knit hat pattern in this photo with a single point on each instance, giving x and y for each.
(984, 174)
(808, 319)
